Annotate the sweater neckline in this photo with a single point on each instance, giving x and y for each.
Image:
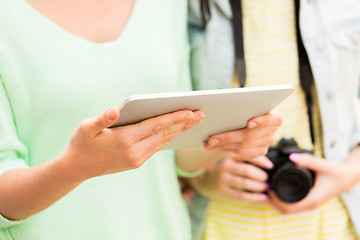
(57, 29)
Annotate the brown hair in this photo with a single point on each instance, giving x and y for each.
(205, 11)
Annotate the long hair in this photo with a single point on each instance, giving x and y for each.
(205, 11)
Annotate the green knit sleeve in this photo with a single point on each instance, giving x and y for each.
(185, 174)
(12, 152)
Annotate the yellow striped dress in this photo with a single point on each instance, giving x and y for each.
(271, 58)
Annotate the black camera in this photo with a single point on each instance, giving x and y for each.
(290, 182)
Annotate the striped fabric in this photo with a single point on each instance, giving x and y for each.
(271, 58)
(244, 220)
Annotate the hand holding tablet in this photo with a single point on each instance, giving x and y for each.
(225, 109)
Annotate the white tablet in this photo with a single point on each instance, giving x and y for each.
(225, 109)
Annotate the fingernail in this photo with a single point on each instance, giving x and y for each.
(214, 141)
(263, 197)
(269, 164)
(252, 124)
(295, 157)
(189, 116)
(199, 116)
(110, 114)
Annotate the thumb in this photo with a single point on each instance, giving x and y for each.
(94, 126)
(309, 161)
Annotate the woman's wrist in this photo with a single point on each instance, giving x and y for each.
(64, 168)
(27, 191)
(353, 164)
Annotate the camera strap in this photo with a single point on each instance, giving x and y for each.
(239, 41)
(305, 73)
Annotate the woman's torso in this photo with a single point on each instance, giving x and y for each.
(271, 58)
(55, 79)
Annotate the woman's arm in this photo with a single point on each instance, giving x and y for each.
(26, 191)
(94, 150)
(194, 159)
(354, 162)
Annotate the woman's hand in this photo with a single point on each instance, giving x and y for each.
(187, 191)
(331, 180)
(250, 142)
(239, 174)
(96, 150)
(242, 180)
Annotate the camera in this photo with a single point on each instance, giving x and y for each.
(290, 182)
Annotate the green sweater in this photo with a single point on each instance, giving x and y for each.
(52, 79)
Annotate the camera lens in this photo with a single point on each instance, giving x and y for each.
(292, 183)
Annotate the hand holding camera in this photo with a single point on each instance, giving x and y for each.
(291, 183)
(332, 179)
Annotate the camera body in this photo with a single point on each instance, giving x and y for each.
(290, 182)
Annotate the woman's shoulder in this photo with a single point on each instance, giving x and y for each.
(10, 12)
(9, 8)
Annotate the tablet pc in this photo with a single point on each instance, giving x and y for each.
(225, 109)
